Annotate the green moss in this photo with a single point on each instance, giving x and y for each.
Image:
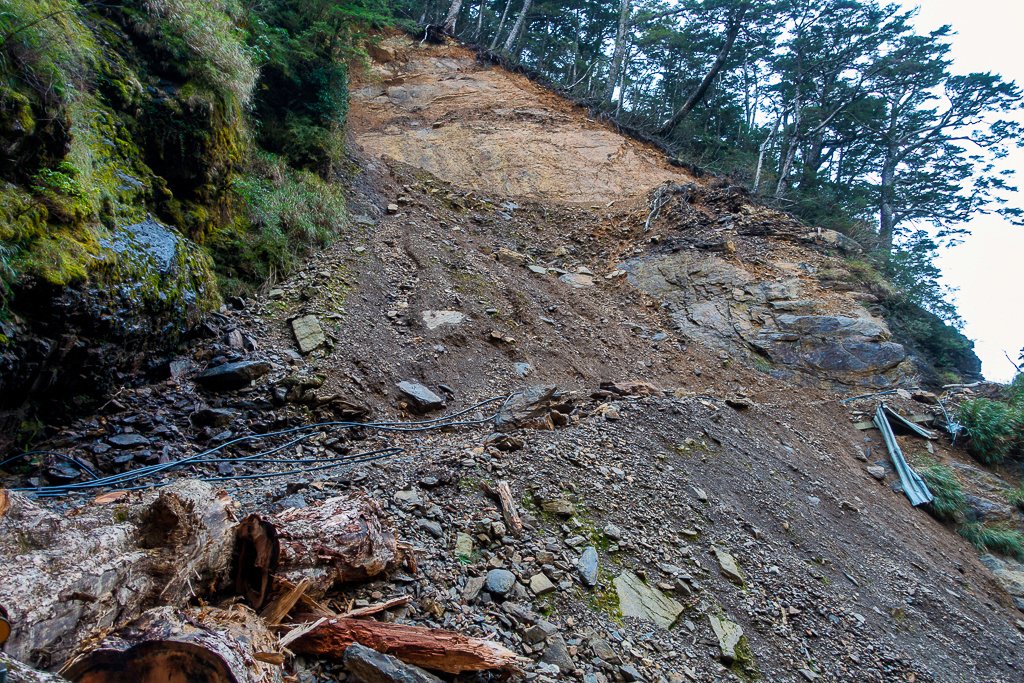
(745, 663)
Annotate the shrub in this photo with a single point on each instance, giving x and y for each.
(996, 539)
(949, 503)
(993, 427)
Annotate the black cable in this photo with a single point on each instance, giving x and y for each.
(136, 474)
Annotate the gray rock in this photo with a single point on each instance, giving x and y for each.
(128, 440)
(613, 532)
(230, 376)
(463, 546)
(603, 650)
(370, 666)
(630, 673)
(474, 585)
(421, 398)
(577, 280)
(730, 568)
(541, 584)
(556, 652)
(587, 566)
(308, 333)
(213, 417)
(876, 471)
(431, 527)
(499, 582)
(637, 599)
(728, 634)
(435, 319)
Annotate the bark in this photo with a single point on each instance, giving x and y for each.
(196, 645)
(697, 96)
(429, 648)
(513, 35)
(102, 565)
(619, 51)
(18, 672)
(453, 15)
(338, 540)
(887, 200)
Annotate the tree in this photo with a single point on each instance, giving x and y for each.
(937, 139)
(513, 35)
(733, 24)
(453, 14)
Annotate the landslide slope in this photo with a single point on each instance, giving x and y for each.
(500, 238)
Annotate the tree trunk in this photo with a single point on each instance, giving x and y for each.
(886, 203)
(501, 25)
(695, 98)
(619, 52)
(479, 22)
(65, 575)
(197, 645)
(429, 648)
(453, 15)
(513, 35)
(338, 540)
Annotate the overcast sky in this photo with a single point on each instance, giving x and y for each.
(988, 268)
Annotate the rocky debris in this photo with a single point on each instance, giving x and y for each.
(231, 376)
(1010, 575)
(213, 417)
(504, 442)
(510, 257)
(836, 240)
(436, 319)
(729, 634)
(637, 599)
(421, 398)
(587, 566)
(308, 333)
(370, 666)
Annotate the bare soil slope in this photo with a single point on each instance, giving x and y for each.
(490, 223)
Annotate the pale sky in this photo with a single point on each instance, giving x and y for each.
(988, 267)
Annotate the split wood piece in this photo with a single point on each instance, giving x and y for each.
(195, 645)
(278, 608)
(377, 608)
(503, 494)
(429, 648)
(341, 539)
(66, 575)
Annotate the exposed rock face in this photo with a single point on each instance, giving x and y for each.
(723, 305)
(148, 287)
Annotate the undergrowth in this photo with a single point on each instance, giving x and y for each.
(949, 503)
(995, 427)
(996, 539)
(285, 214)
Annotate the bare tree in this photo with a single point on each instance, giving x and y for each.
(453, 15)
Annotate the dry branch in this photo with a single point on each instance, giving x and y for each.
(503, 494)
(446, 651)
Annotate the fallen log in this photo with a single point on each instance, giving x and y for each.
(102, 565)
(339, 540)
(194, 645)
(429, 648)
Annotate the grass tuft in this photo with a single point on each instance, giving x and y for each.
(950, 503)
(994, 539)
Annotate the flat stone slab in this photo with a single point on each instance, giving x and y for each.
(728, 634)
(637, 599)
(436, 319)
(308, 333)
(422, 398)
(233, 375)
(730, 567)
(577, 280)
(541, 584)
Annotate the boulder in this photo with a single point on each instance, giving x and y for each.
(728, 634)
(230, 376)
(369, 666)
(587, 566)
(308, 333)
(421, 399)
